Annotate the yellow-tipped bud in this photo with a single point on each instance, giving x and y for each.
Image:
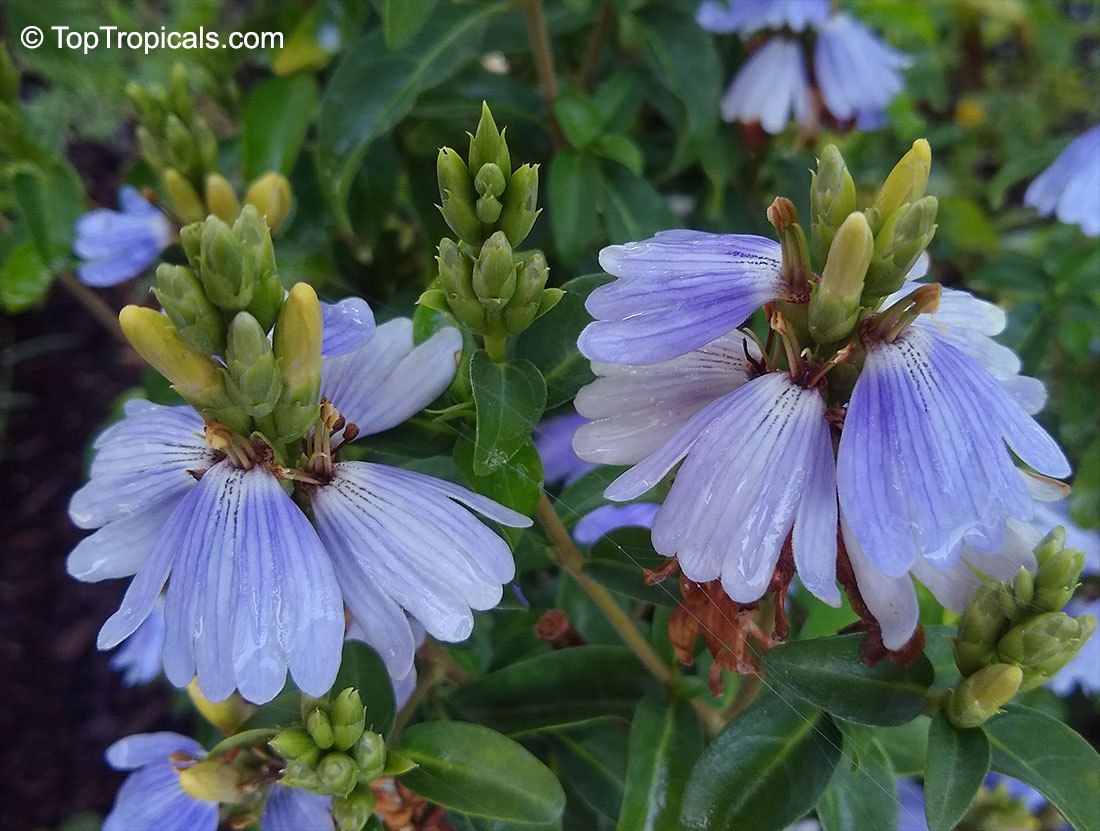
(980, 697)
(297, 347)
(226, 715)
(211, 781)
(907, 182)
(221, 199)
(186, 204)
(272, 196)
(834, 305)
(194, 375)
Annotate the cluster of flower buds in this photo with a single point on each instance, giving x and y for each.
(866, 254)
(179, 144)
(1013, 638)
(332, 752)
(223, 306)
(490, 287)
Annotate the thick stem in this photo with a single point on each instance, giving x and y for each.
(95, 305)
(570, 558)
(596, 42)
(544, 65)
(497, 347)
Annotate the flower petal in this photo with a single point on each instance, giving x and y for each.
(346, 326)
(815, 522)
(856, 71)
(603, 520)
(139, 658)
(676, 292)
(119, 548)
(294, 809)
(554, 440)
(892, 600)
(152, 798)
(385, 382)
(143, 749)
(772, 87)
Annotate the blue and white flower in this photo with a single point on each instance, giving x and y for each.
(923, 482)
(294, 809)
(1070, 187)
(118, 245)
(254, 589)
(744, 17)
(140, 658)
(772, 87)
(857, 73)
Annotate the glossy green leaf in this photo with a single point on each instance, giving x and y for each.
(620, 149)
(591, 762)
(618, 561)
(475, 770)
(829, 672)
(50, 200)
(632, 207)
(558, 689)
(550, 343)
(958, 761)
(906, 745)
(1046, 754)
(510, 398)
(580, 119)
(360, 667)
(517, 484)
(665, 742)
(572, 192)
(24, 278)
(401, 20)
(863, 790)
(764, 771)
(276, 119)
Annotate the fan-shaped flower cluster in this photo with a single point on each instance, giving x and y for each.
(854, 71)
(255, 585)
(911, 460)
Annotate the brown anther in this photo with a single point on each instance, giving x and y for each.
(653, 576)
(555, 628)
(782, 214)
(196, 473)
(350, 432)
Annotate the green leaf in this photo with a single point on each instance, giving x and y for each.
(829, 672)
(1043, 752)
(665, 742)
(24, 278)
(558, 689)
(510, 398)
(592, 762)
(764, 771)
(958, 761)
(906, 745)
(580, 119)
(585, 495)
(401, 20)
(632, 207)
(475, 770)
(572, 193)
(618, 561)
(372, 89)
(620, 149)
(360, 667)
(276, 119)
(50, 201)
(1084, 499)
(550, 343)
(863, 790)
(517, 484)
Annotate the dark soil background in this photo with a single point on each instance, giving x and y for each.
(62, 705)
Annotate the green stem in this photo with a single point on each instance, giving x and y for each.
(539, 36)
(569, 557)
(497, 347)
(596, 42)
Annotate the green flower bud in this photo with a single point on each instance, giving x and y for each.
(494, 277)
(456, 192)
(221, 199)
(197, 320)
(488, 145)
(193, 374)
(349, 717)
(1057, 579)
(179, 94)
(1023, 588)
(295, 743)
(520, 206)
(206, 145)
(211, 781)
(980, 628)
(832, 199)
(834, 303)
(224, 272)
(1051, 544)
(272, 196)
(300, 775)
(297, 346)
(434, 299)
(255, 236)
(338, 773)
(531, 274)
(906, 183)
(456, 275)
(191, 240)
(182, 152)
(319, 726)
(370, 756)
(352, 812)
(253, 379)
(902, 239)
(980, 697)
(1044, 644)
(488, 209)
(489, 180)
(186, 204)
(150, 148)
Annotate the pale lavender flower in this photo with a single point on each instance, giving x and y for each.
(118, 245)
(857, 72)
(1070, 187)
(345, 326)
(910, 805)
(772, 87)
(151, 797)
(255, 589)
(747, 16)
(554, 441)
(601, 521)
(139, 659)
(294, 809)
